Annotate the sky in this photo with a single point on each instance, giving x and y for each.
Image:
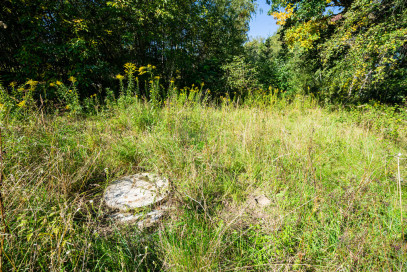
(262, 25)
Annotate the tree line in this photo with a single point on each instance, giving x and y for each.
(346, 51)
(340, 50)
(186, 40)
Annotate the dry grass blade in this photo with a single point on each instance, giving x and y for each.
(400, 195)
(5, 229)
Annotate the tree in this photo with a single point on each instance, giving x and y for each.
(92, 40)
(355, 55)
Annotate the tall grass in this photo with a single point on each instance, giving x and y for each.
(330, 176)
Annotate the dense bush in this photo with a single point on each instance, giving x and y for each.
(345, 50)
(92, 40)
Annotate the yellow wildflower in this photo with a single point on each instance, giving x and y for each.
(70, 91)
(31, 82)
(157, 77)
(130, 68)
(21, 104)
(72, 79)
(59, 83)
(67, 107)
(52, 84)
(119, 77)
(13, 84)
(20, 89)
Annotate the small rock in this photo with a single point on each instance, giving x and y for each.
(262, 201)
(258, 201)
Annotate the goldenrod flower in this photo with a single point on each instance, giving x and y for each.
(130, 68)
(31, 82)
(21, 104)
(52, 85)
(20, 89)
(67, 107)
(119, 77)
(72, 79)
(70, 91)
(59, 83)
(13, 84)
(157, 77)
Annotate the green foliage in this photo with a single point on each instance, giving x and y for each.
(240, 76)
(260, 67)
(265, 56)
(386, 120)
(366, 57)
(69, 96)
(22, 100)
(355, 55)
(91, 40)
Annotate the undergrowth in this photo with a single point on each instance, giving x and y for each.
(330, 177)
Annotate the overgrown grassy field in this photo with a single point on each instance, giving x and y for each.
(331, 176)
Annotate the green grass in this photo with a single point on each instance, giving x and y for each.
(331, 176)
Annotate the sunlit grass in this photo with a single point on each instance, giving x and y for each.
(330, 177)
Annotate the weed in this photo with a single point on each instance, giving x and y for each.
(331, 179)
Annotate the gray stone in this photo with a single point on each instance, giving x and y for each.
(143, 219)
(136, 191)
